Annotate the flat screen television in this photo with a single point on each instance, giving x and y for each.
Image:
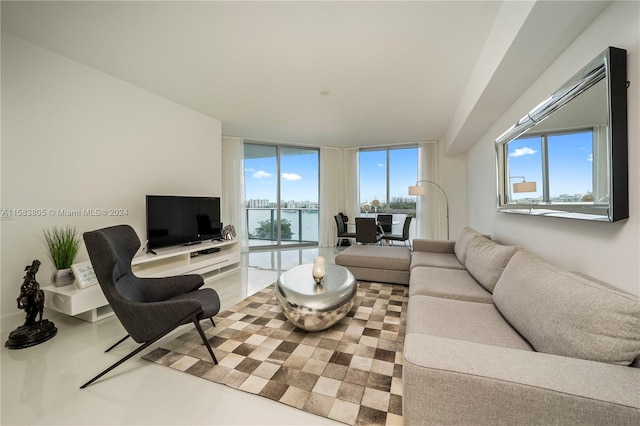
(182, 220)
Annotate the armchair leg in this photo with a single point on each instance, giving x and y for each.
(214, 324)
(150, 342)
(204, 339)
(138, 349)
(118, 342)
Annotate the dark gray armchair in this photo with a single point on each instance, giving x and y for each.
(148, 308)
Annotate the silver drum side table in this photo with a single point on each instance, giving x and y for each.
(311, 306)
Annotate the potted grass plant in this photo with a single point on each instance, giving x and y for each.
(63, 245)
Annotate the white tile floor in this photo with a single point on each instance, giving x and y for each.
(40, 385)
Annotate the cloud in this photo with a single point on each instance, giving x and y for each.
(520, 152)
(291, 176)
(381, 165)
(249, 169)
(261, 174)
(590, 158)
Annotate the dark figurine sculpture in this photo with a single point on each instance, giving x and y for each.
(31, 299)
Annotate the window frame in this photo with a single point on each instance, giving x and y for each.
(278, 203)
(387, 149)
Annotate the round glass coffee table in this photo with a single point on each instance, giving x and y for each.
(311, 306)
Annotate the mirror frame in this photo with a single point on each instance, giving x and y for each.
(611, 65)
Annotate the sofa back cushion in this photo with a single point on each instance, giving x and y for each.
(462, 243)
(563, 313)
(486, 260)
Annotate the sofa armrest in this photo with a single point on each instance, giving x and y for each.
(433, 246)
(449, 381)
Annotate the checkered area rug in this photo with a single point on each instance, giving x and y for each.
(351, 372)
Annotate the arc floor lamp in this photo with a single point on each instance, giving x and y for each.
(422, 190)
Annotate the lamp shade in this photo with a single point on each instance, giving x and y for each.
(417, 190)
(524, 187)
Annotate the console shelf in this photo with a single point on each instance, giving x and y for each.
(90, 304)
(193, 259)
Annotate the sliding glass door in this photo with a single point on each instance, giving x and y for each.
(281, 189)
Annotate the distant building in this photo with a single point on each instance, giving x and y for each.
(291, 204)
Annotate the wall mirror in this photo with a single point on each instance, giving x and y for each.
(567, 157)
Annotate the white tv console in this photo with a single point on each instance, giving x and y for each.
(89, 304)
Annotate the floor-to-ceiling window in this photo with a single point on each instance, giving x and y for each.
(385, 175)
(281, 189)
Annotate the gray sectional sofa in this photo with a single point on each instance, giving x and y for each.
(497, 336)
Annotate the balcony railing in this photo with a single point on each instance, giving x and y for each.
(299, 225)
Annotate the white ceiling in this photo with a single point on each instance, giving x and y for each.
(396, 71)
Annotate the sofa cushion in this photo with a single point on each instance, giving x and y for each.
(448, 283)
(460, 320)
(462, 243)
(437, 260)
(433, 246)
(486, 260)
(562, 313)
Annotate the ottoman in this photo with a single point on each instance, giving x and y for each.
(377, 263)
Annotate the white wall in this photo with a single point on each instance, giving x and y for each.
(75, 138)
(452, 171)
(607, 251)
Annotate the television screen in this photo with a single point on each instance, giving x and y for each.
(181, 220)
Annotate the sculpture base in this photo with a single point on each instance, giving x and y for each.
(26, 336)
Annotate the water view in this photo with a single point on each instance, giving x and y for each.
(300, 225)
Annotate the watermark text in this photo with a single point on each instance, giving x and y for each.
(11, 213)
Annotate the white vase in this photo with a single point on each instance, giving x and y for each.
(318, 271)
(63, 277)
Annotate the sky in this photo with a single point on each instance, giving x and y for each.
(403, 172)
(299, 175)
(570, 163)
